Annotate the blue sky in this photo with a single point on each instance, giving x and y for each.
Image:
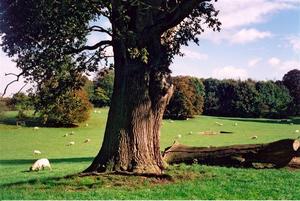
(260, 39)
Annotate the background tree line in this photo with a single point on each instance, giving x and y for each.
(192, 96)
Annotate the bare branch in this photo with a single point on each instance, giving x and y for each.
(16, 80)
(22, 87)
(100, 29)
(93, 47)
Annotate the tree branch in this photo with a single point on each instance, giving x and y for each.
(16, 80)
(177, 14)
(100, 29)
(93, 47)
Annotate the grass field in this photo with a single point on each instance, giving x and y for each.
(188, 182)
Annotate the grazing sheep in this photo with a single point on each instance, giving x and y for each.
(235, 124)
(291, 123)
(66, 135)
(179, 136)
(191, 132)
(86, 125)
(171, 121)
(71, 143)
(95, 111)
(220, 124)
(36, 128)
(254, 137)
(296, 131)
(36, 152)
(87, 140)
(71, 133)
(40, 164)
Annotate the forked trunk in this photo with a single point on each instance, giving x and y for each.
(131, 140)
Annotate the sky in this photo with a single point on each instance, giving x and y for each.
(259, 39)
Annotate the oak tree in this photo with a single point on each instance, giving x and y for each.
(145, 36)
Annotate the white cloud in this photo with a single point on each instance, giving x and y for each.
(294, 42)
(230, 72)
(242, 36)
(274, 61)
(286, 65)
(289, 65)
(249, 35)
(237, 13)
(253, 62)
(194, 55)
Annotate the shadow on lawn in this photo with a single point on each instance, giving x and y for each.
(29, 122)
(293, 121)
(32, 122)
(54, 160)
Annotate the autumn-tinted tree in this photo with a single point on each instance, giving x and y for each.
(187, 99)
(145, 37)
(292, 81)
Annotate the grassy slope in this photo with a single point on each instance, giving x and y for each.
(196, 182)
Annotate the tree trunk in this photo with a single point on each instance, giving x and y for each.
(131, 141)
(276, 154)
(141, 93)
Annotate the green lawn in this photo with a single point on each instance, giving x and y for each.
(188, 182)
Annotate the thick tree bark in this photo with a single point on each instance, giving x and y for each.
(276, 154)
(131, 141)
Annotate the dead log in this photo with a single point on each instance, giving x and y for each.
(270, 155)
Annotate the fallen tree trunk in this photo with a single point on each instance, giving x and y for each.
(271, 155)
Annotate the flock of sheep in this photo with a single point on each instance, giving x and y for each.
(43, 163)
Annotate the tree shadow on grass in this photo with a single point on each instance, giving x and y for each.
(54, 160)
(31, 122)
(291, 121)
(28, 122)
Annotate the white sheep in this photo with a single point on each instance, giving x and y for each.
(235, 124)
(220, 124)
(40, 164)
(36, 128)
(71, 143)
(179, 136)
(191, 132)
(87, 140)
(296, 131)
(66, 135)
(37, 152)
(71, 133)
(254, 137)
(171, 121)
(86, 125)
